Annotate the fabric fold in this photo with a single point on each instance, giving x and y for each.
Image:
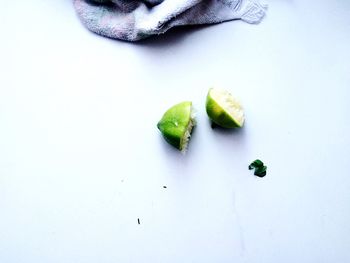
(138, 19)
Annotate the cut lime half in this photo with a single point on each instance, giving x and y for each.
(223, 109)
(176, 125)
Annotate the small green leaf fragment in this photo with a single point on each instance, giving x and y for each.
(260, 171)
(256, 164)
(260, 168)
(261, 175)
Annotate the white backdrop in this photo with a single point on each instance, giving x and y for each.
(81, 158)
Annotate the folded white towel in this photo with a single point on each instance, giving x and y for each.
(134, 20)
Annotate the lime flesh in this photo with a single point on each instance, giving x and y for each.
(176, 125)
(223, 109)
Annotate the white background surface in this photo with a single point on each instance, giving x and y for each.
(81, 158)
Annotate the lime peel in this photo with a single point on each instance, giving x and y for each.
(176, 125)
(223, 109)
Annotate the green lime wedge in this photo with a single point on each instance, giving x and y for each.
(223, 109)
(176, 125)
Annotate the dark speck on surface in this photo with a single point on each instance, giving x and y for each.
(138, 221)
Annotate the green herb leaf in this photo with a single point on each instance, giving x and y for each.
(261, 175)
(260, 168)
(256, 164)
(260, 171)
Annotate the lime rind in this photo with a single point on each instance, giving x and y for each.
(223, 109)
(176, 125)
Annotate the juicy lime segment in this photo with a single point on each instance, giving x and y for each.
(223, 109)
(176, 125)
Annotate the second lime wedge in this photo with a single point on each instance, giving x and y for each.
(223, 109)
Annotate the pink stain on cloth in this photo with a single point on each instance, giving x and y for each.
(135, 20)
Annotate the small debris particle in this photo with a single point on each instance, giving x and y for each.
(164, 186)
(138, 221)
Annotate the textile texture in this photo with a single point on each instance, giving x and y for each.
(138, 19)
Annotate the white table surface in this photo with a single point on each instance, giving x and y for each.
(81, 158)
